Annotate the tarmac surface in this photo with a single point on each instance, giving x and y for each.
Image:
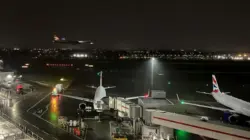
(181, 79)
(99, 130)
(23, 111)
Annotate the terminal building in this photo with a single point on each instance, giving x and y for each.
(159, 118)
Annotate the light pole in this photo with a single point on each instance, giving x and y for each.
(152, 72)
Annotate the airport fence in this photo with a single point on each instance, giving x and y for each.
(26, 132)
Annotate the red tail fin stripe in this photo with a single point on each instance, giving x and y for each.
(216, 91)
(214, 81)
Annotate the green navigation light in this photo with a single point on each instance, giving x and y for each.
(182, 135)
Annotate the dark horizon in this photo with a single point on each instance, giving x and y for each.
(206, 25)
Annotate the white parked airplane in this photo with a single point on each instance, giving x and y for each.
(238, 106)
(100, 93)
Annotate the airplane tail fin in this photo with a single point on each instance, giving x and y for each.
(100, 74)
(56, 38)
(216, 88)
(177, 97)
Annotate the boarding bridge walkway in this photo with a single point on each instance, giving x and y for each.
(212, 129)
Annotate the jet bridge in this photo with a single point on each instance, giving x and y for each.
(212, 129)
(125, 108)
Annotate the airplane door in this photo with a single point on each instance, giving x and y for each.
(98, 104)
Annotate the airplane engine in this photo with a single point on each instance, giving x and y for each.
(233, 119)
(86, 107)
(82, 106)
(230, 118)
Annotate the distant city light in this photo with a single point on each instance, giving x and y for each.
(88, 65)
(91, 66)
(172, 54)
(237, 58)
(59, 65)
(80, 55)
(25, 66)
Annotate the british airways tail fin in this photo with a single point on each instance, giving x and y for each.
(56, 38)
(216, 88)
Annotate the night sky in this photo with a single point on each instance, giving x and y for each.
(122, 24)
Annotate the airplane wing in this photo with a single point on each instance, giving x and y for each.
(210, 93)
(204, 92)
(135, 97)
(78, 98)
(204, 106)
(110, 87)
(210, 107)
(91, 86)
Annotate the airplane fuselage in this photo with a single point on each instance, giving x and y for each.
(99, 94)
(68, 42)
(240, 106)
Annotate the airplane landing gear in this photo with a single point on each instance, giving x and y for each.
(99, 120)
